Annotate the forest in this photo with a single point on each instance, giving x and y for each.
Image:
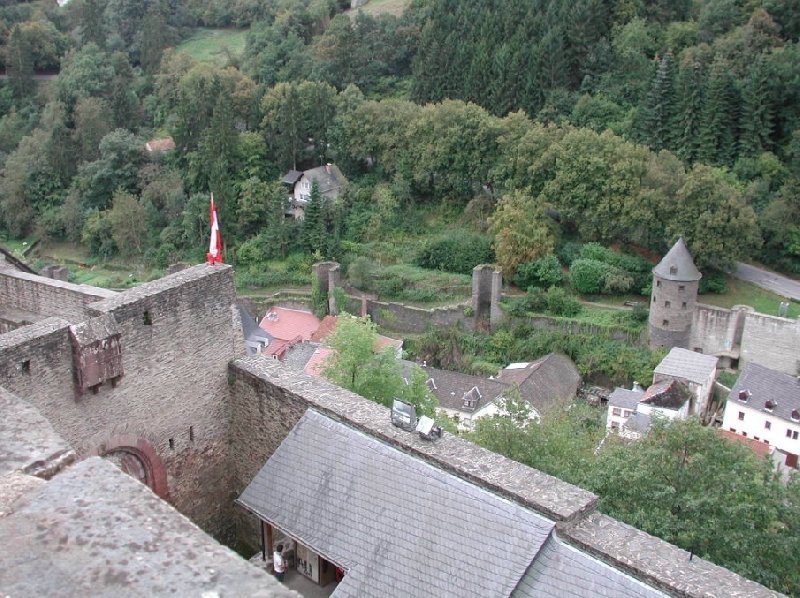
(569, 141)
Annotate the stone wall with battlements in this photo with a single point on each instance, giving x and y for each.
(177, 336)
(47, 297)
(268, 399)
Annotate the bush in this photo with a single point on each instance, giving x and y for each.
(559, 303)
(569, 252)
(360, 273)
(544, 272)
(456, 252)
(714, 282)
(534, 302)
(617, 281)
(588, 276)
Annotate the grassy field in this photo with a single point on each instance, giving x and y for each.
(214, 45)
(381, 7)
(745, 293)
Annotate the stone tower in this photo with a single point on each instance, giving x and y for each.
(675, 284)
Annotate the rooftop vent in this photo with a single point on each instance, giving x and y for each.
(404, 415)
(796, 415)
(770, 405)
(744, 395)
(427, 429)
(272, 316)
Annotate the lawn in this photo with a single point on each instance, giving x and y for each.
(745, 293)
(214, 45)
(382, 7)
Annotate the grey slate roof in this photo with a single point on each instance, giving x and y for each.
(450, 388)
(95, 531)
(546, 381)
(689, 365)
(627, 399)
(329, 182)
(291, 177)
(765, 384)
(680, 258)
(561, 571)
(298, 355)
(400, 526)
(638, 422)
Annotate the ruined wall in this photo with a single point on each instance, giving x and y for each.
(408, 318)
(772, 342)
(711, 329)
(48, 297)
(177, 335)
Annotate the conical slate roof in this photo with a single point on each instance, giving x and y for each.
(677, 264)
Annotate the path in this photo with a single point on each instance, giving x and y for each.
(786, 287)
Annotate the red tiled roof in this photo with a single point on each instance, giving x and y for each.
(327, 326)
(288, 324)
(762, 449)
(316, 364)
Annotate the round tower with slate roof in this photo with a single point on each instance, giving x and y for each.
(675, 284)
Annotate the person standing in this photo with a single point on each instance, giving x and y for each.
(278, 562)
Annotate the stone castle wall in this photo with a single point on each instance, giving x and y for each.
(47, 297)
(772, 342)
(173, 390)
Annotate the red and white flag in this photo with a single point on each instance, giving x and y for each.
(215, 246)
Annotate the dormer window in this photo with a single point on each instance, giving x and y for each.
(744, 395)
(673, 270)
(471, 398)
(770, 406)
(795, 415)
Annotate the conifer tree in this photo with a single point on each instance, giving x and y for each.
(314, 220)
(756, 121)
(720, 115)
(659, 106)
(19, 63)
(687, 118)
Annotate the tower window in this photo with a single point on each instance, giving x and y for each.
(147, 318)
(26, 366)
(681, 288)
(658, 283)
(667, 304)
(673, 269)
(665, 323)
(683, 305)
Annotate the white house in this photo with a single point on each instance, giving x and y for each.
(764, 405)
(622, 404)
(696, 370)
(329, 178)
(668, 399)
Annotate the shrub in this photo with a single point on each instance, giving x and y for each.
(544, 272)
(713, 281)
(456, 252)
(617, 281)
(588, 276)
(360, 273)
(569, 252)
(559, 303)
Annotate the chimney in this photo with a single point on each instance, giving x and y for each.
(328, 168)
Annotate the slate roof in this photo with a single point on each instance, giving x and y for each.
(400, 526)
(291, 177)
(544, 382)
(450, 388)
(107, 535)
(254, 335)
(689, 365)
(627, 399)
(297, 356)
(765, 385)
(679, 258)
(668, 394)
(638, 422)
(561, 571)
(329, 178)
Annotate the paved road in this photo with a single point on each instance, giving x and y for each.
(776, 283)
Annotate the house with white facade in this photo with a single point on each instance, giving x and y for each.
(622, 404)
(696, 370)
(329, 178)
(764, 405)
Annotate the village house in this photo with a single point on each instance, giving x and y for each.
(545, 382)
(764, 405)
(329, 178)
(697, 371)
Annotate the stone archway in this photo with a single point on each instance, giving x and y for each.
(137, 457)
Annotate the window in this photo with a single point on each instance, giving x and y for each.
(788, 433)
(794, 435)
(673, 270)
(667, 304)
(26, 366)
(756, 438)
(147, 318)
(741, 416)
(767, 425)
(172, 444)
(665, 323)
(616, 411)
(681, 288)
(732, 429)
(626, 413)
(744, 433)
(683, 305)
(658, 283)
